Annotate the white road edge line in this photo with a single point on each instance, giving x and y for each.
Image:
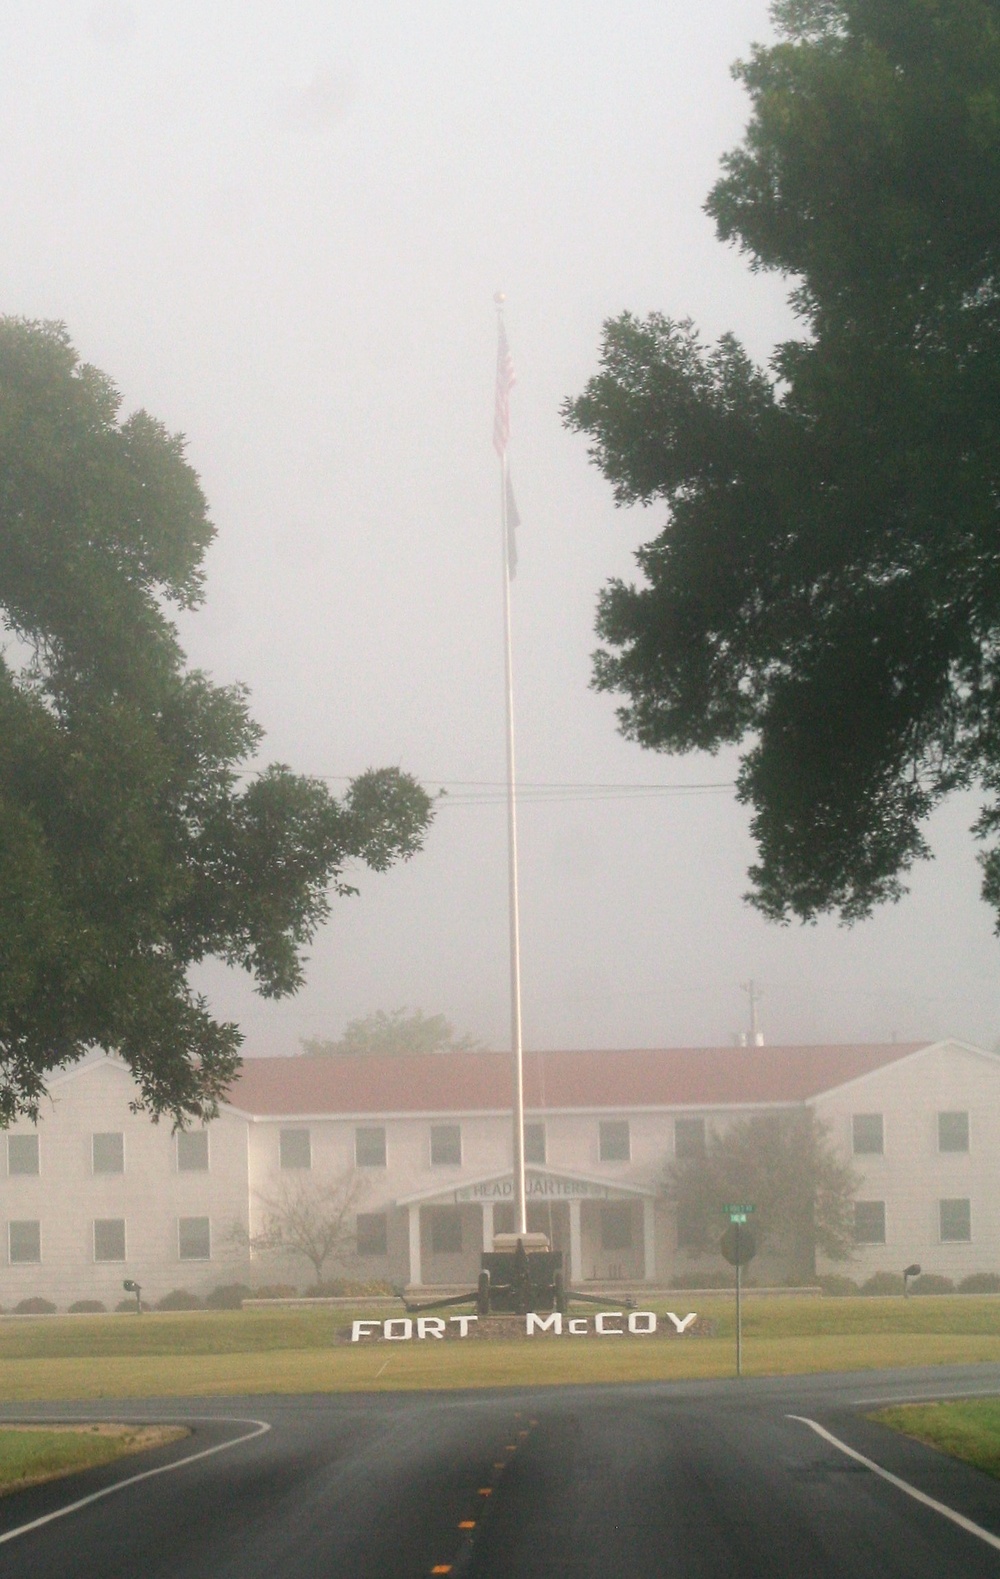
(147, 1474)
(902, 1485)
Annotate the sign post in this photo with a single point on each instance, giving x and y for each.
(739, 1248)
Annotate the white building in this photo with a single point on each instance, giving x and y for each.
(96, 1193)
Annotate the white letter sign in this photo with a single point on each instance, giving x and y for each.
(537, 1323)
(608, 1315)
(682, 1326)
(646, 1317)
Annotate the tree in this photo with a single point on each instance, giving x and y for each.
(784, 1165)
(396, 1033)
(134, 839)
(310, 1220)
(826, 586)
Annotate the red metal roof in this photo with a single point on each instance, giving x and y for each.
(477, 1082)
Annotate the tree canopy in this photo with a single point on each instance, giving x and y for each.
(826, 585)
(782, 1163)
(396, 1032)
(134, 843)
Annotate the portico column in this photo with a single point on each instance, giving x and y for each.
(575, 1243)
(487, 1225)
(649, 1238)
(416, 1274)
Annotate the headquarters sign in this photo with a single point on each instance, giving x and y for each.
(540, 1187)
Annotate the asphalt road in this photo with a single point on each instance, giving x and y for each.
(708, 1480)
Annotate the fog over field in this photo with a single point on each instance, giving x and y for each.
(280, 228)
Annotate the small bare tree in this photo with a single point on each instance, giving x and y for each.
(310, 1219)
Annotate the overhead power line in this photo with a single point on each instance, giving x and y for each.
(493, 792)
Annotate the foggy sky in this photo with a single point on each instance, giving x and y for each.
(280, 228)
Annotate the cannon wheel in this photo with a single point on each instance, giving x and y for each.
(483, 1294)
(560, 1301)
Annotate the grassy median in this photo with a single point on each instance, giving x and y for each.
(301, 1350)
(968, 1429)
(30, 1454)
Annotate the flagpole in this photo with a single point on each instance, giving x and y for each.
(517, 1046)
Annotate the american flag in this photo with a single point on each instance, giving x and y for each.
(505, 383)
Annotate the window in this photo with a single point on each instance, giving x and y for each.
(956, 1220)
(109, 1239)
(192, 1150)
(369, 1147)
(373, 1234)
(534, 1144)
(869, 1222)
(24, 1242)
(689, 1138)
(109, 1153)
(22, 1153)
(867, 1134)
(296, 1151)
(446, 1145)
(446, 1231)
(194, 1239)
(615, 1145)
(953, 1132)
(616, 1226)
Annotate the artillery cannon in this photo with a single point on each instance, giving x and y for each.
(519, 1274)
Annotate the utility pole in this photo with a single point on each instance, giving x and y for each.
(754, 993)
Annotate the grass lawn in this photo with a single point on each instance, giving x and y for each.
(30, 1454)
(297, 1350)
(968, 1429)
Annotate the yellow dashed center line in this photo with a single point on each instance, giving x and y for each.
(487, 1491)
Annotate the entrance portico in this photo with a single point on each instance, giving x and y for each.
(605, 1230)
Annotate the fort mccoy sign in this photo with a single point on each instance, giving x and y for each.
(606, 1324)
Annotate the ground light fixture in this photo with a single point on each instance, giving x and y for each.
(132, 1287)
(909, 1273)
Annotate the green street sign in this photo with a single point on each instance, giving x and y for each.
(737, 1217)
(739, 1212)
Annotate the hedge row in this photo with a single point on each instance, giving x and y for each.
(228, 1296)
(927, 1283)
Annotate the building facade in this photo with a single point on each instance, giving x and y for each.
(94, 1193)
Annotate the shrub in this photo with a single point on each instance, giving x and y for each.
(835, 1284)
(90, 1306)
(275, 1291)
(228, 1296)
(129, 1305)
(705, 1280)
(883, 1283)
(34, 1306)
(180, 1299)
(980, 1282)
(932, 1283)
